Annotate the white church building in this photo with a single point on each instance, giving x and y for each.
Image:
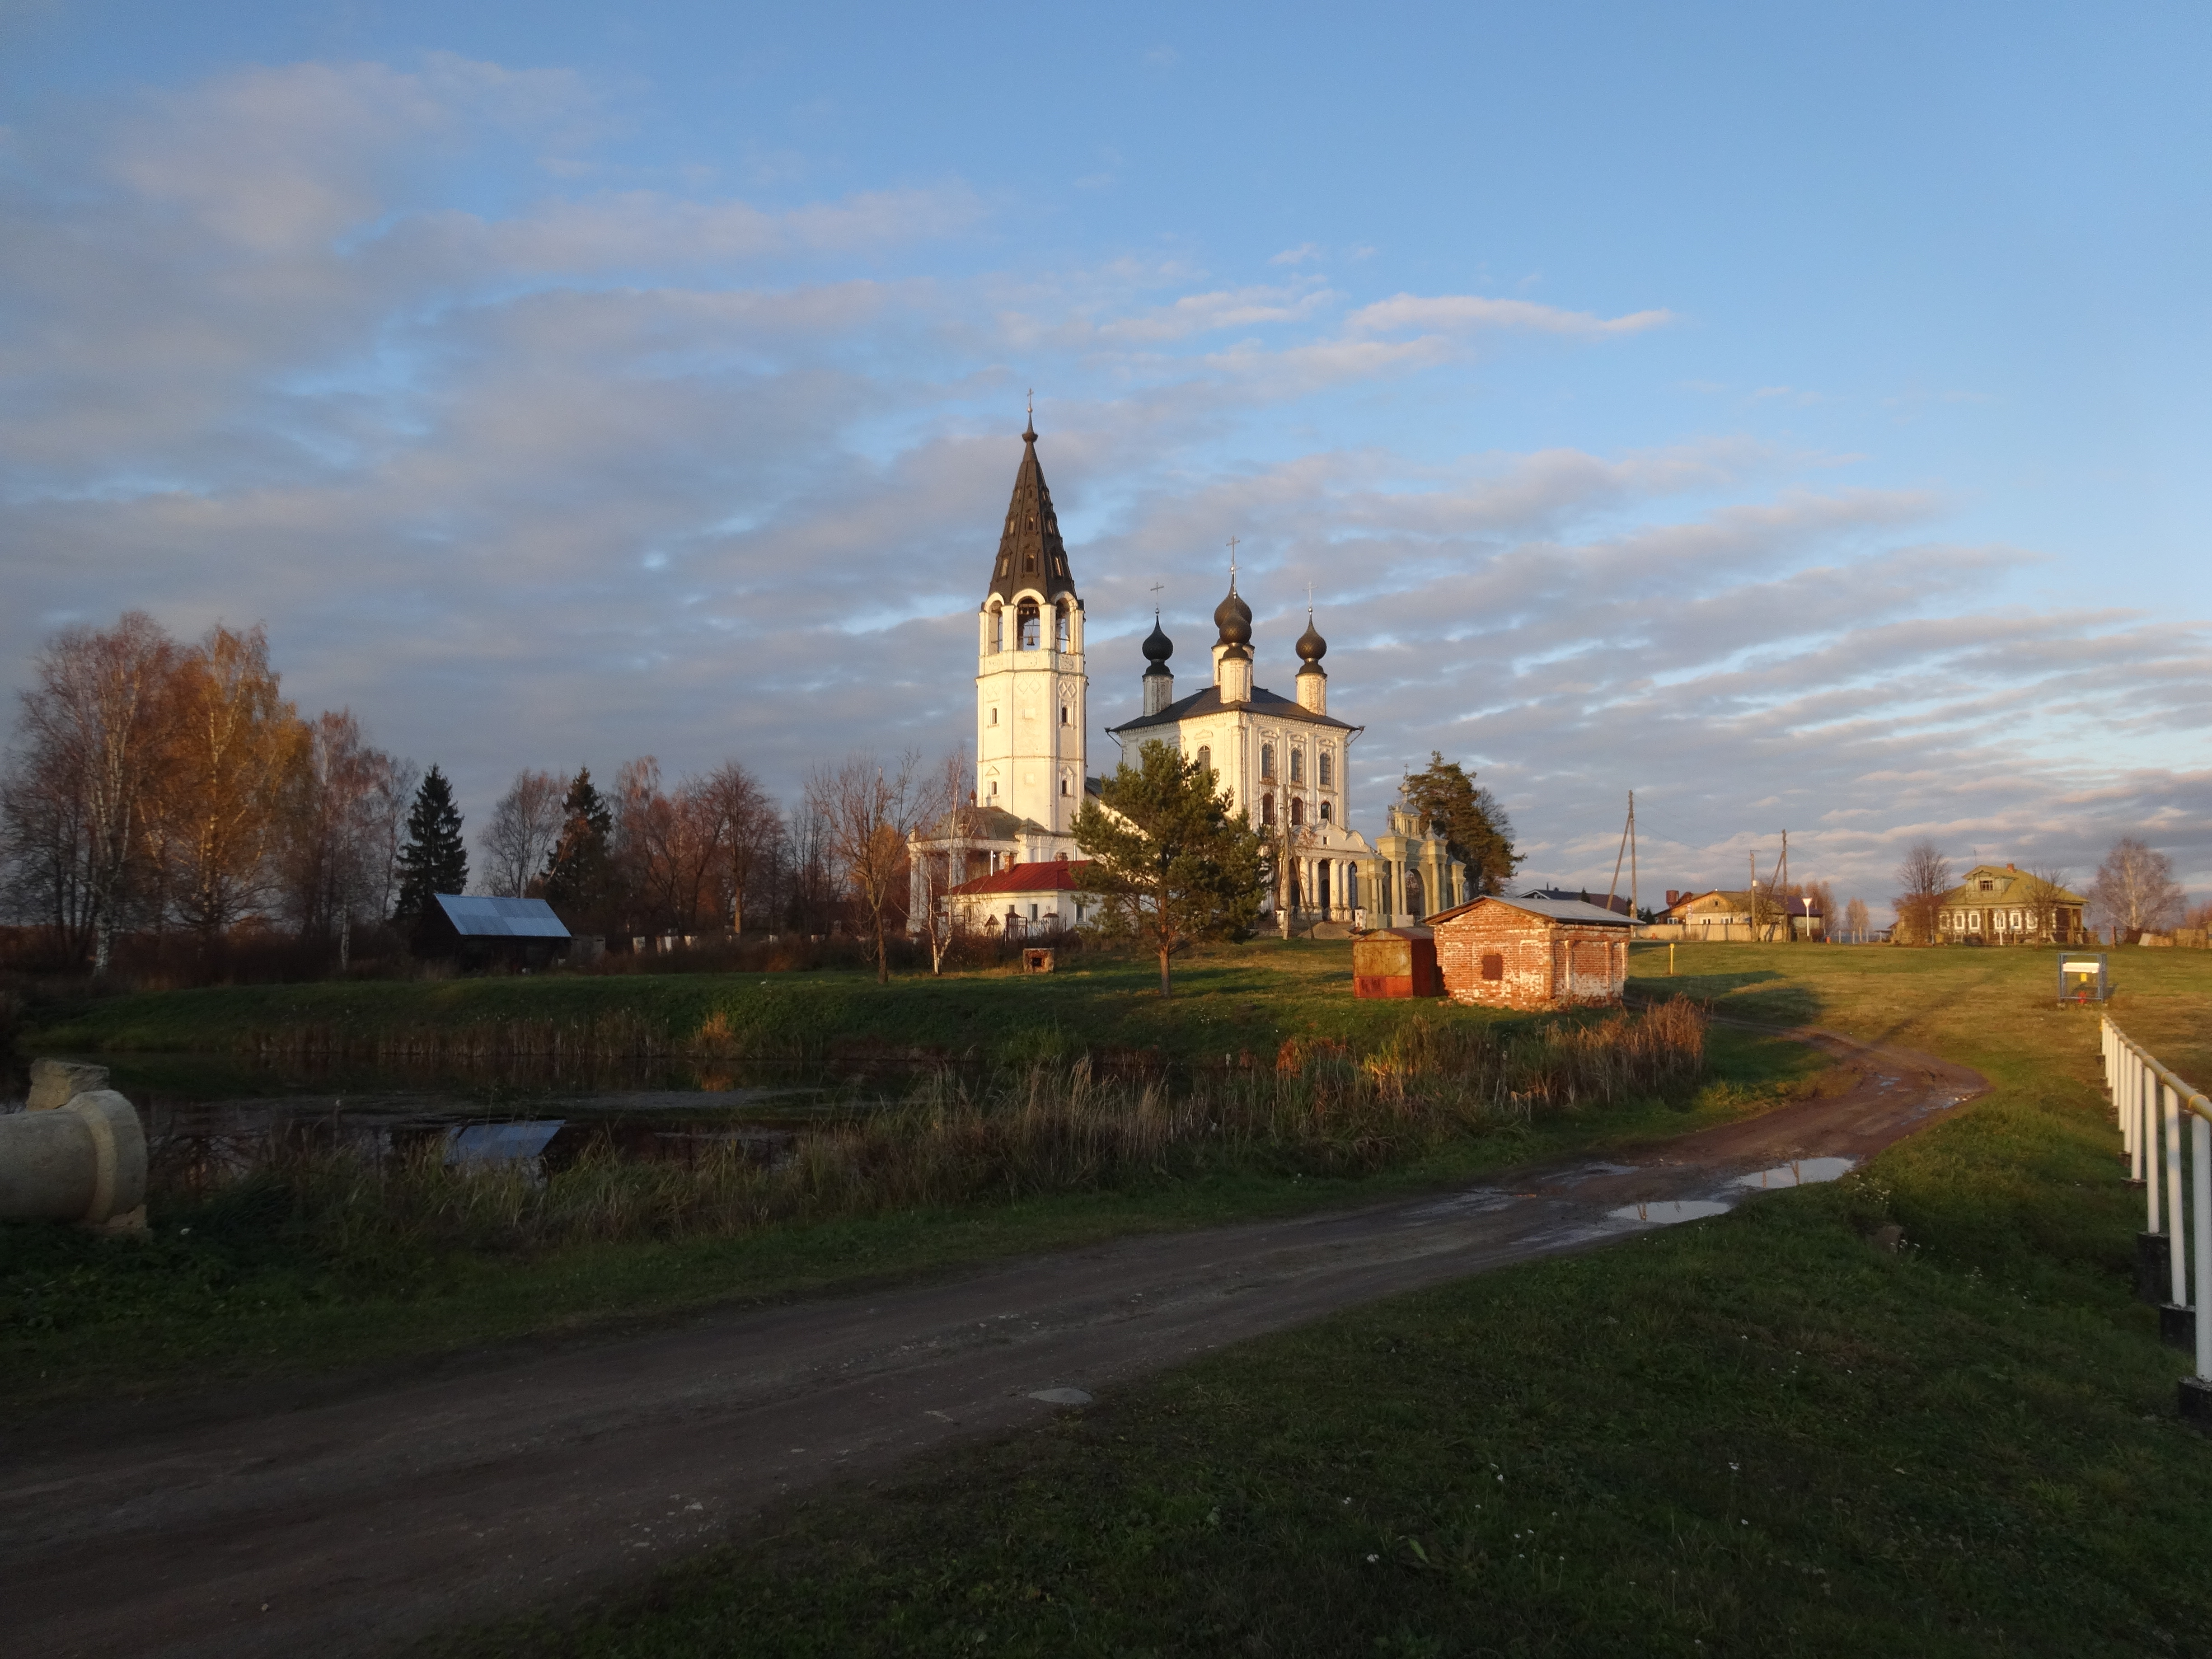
(1286, 762)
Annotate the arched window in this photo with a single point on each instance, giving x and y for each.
(1298, 812)
(1266, 760)
(1324, 812)
(994, 714)
(1297, 766)
(1205, 759)
(1327, 769)
(1064, 790)
(997, 627)
(1066, 714)
(1061, 630)
(1267, 809)
(1028, 617)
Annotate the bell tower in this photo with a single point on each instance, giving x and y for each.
(1031, 692)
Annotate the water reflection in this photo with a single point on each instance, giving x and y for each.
(1667, 1210)
(1800, 1172)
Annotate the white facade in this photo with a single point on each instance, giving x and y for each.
(1031, 708)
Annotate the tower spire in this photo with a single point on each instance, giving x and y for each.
(1031, 555)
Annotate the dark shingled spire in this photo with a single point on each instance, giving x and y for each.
(1031, 554)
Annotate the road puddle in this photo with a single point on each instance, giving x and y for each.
(1668, 1211)
(1800, 1172)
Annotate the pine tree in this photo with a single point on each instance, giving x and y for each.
(435, 860)
(1168, 858)
(1474, 826)
(579, 878)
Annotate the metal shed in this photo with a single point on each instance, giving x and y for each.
(1395, 962)
(481, 929)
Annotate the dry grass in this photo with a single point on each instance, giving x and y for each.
(1047, 1128)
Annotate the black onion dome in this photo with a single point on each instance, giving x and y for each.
(1234, 618)
(1158, 647)
(1311, 646)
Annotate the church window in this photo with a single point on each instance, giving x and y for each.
(1327, 769)
(1324, 812)
(1297, 766)
(1267, 809)
(1067, 716)
(994, 714)
(1205, 759)
(998, 625)
(994, 788)
(1298, 812)
(1028, 619)
(1266, 760)
(1061, 628)
(1064, 789)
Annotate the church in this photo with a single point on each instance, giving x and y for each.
(1285, 762)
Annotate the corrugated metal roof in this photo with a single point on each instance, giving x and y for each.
(1556, 909)
(478, 915)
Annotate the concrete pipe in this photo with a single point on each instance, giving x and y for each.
(84, 1161)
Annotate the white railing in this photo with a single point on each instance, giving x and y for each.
(2153, 1105)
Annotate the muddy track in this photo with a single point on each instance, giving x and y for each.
(352, 1524)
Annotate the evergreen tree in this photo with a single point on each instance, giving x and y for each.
(1166, 856)
(1474, 825)
(435, 859)
(579, 878)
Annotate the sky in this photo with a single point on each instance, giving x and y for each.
(1794, 415)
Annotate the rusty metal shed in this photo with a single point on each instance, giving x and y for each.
(1395, 962)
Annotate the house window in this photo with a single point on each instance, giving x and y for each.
(1027, 618)
(1266, 760)
(1298, 812)
(1267, 809)
(1494, 965)
(1327, 769)
(1324, 812)
(1988, 886)
(1297, 766)
(1205, 759)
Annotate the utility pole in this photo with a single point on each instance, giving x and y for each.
(1627, 847)
(1788, 923)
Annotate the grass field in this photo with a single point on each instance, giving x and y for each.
(1756, 1434)
(312, 1270)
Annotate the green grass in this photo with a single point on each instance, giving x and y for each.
(1758, 1434)
(257, 1281)
(1231, 1001)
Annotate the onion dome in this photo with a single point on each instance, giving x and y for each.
(1158, 647)
(1311, 646)
(1234, 618)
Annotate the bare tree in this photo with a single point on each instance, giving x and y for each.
(948, 810)
(867, 812)
(1922, 878)
(334, 862)
(1856, 920)
(750, 830)
(2135, 888)
(520, 834)
(95, 727)
(2042, 894)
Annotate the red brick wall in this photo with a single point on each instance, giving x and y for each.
(1542, 963)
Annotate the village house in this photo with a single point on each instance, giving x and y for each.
(2003, 904)
(1531, 953)
(1745, 915)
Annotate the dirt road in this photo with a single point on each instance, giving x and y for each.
(485, 1487)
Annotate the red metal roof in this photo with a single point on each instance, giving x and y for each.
(1046, 876)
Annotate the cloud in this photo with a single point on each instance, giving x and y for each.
(1296, 256)
(1459, 312)
(550, 473)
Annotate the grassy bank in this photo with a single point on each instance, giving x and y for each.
(1231, 1001)
(1757, 1434)
(324, 1261)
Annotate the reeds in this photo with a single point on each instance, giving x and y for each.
(1049, 1127)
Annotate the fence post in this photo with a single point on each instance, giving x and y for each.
(2177, 1225)
(2135, 1073)
(2150, 1145)
(2200, 1138)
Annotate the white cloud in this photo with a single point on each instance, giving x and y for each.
(1463, 312)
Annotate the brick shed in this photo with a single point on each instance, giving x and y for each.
(1532, 952)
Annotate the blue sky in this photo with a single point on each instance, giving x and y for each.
(1794, 416)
